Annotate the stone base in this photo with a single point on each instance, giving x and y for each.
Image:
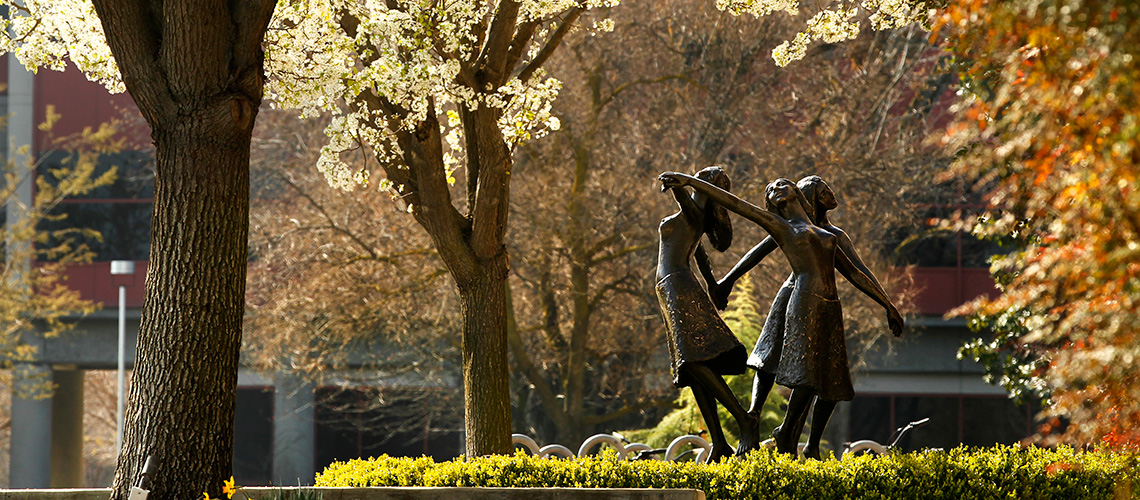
(404, 494)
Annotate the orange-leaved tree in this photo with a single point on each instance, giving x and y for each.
(1048, 128)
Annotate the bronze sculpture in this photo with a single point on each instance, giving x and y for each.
(811, 356)
(765, 356)
(701, 347)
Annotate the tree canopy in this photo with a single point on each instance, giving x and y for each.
(1048, 128)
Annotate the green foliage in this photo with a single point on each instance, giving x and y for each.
(960, 473)
(745, 318)
(1007, 361)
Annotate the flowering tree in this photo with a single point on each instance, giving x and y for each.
(435, 92)
(1049, 129)
(37, 298)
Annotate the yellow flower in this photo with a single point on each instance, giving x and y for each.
(228, 488)
(207, 495)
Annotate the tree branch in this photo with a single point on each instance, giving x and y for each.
(134, 33)
(641, 81)
(251, 18)
(493, 57)
(620, 253)
(609, 287)
(551, 44)
(521, 40)
(532, 373)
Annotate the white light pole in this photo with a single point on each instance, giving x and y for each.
(121, 267)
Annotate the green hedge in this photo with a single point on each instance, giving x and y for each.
(960, 473)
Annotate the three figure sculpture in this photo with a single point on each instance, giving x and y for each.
(802, 344)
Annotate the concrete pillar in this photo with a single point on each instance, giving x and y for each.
(30, 446)
(294, 432)
(67, 429)
(21, 129)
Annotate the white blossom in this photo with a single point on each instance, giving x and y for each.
(833, 26)
(830, 25)
(48, 33)
(791, 50)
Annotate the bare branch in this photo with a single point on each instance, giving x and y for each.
(551, 44)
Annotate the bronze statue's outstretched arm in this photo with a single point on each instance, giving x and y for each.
(865, 282)
(722, 288)
(774, 224)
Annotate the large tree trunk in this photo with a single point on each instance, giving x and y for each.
(486, 379)
(195, 70)
(182, 393)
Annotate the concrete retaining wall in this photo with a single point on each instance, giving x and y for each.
(401, 494)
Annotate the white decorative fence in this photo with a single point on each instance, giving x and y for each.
(679, 448)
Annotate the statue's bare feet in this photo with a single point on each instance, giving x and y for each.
(719, 451)
(749, 435)
(812, 451)
(784, 442)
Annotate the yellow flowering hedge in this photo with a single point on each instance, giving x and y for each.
(960, 473)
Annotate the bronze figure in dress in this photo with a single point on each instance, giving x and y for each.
(804, 347)
(766, 354)
(702, 349)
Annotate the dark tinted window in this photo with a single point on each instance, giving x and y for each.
(357, 423)
(253, 436)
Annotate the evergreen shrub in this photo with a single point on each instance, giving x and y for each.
(960, 473)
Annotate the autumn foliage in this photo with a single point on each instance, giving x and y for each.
(1048, 128)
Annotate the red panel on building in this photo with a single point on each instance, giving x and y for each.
(94, 282)
(4, 77)
(944, 288)
(82, 103)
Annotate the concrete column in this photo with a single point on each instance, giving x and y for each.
(21, 129)
(30, 451)
(67, 429)
(294, 432)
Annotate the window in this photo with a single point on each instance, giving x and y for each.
(362, 423)
(972, 420)
(253, 435)
(121, 212)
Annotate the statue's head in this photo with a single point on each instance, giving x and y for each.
(780, 192)
(819, 195)
(717, 224)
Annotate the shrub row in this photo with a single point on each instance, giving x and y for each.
(960, 473)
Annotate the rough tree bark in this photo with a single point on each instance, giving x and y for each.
(195, 71)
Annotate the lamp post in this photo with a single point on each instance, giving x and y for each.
(121, 268)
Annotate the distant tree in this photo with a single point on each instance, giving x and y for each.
(34, 296)
(384, 317)
(1048, 128)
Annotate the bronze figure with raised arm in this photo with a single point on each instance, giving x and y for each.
(702, 349)
(765, 356)
(813, 353)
